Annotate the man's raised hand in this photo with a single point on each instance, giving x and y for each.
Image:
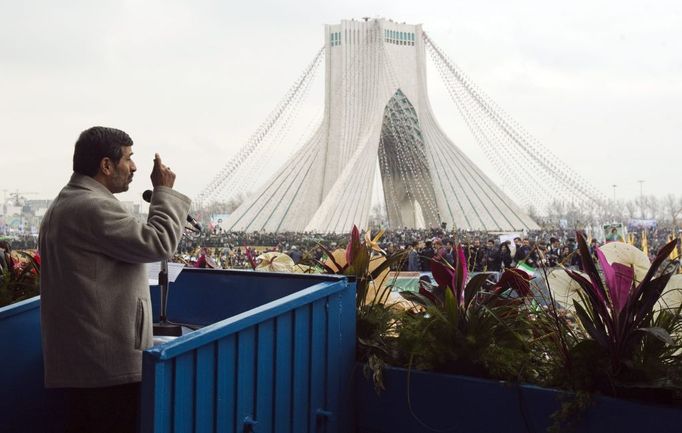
(161, 174)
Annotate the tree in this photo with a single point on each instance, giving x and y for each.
(555, 211)
(673, 207)
(631, 208)
(653, 204)
(641, 203)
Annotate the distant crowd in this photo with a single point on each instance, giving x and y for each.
(483, 251)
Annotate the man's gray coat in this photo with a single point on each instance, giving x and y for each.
(96, 316)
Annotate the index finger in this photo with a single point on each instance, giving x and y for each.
(157, 159)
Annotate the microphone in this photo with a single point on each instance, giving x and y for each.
(147, 196)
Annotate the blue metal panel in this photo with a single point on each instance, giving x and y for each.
(157, 393)
(284, 352)
(226, 383)
(249, 318)
(204, 421)
(206, 296)
(265, 375)
(183, 393)
(246, 379)
(25, 405)
(346, 353)
(442, 402)
(318, 367)
(270, 364)
(301, 367)
(334, 360)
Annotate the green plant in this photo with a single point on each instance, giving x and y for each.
(21, 279)
(629, 349)
(571, 412)
(366, 263)
(376, 318)
(473, 329)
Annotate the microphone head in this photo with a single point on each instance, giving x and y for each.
(147, 196)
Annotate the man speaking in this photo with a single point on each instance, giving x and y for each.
(96, 315)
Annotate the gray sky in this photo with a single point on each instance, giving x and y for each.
(597, 82)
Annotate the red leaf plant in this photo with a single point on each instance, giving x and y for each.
(618, 314)
(474, 327)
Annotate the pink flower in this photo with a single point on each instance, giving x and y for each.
(619, 279)
(353, 245)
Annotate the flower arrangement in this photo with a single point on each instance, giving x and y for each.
(21, 278)
(628, 347)
(476, 327)
(365, 263)
(615, 342)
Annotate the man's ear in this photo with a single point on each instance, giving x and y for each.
(106, 166)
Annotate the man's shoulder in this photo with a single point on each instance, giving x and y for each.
(87, 198)
(80, 204)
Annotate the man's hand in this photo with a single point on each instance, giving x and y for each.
(161, 175)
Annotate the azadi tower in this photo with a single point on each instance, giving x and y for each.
(377, 116)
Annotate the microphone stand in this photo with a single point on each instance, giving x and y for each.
(164, 327)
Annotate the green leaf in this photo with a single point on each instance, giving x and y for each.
(360, 263)
(663, 253)
(599, 335)
(330, 256)
(659, 333)
(473, 288)
(650, 293)
(383, 266)
(417, 298)
(451, 307)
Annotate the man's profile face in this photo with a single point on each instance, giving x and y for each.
(123, 171)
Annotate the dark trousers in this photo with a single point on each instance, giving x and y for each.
(103, 410)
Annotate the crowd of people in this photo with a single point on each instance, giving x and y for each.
(483, 251)
(21, 241)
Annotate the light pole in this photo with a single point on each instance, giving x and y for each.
(613, 208)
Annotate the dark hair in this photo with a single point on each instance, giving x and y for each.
(96, 143)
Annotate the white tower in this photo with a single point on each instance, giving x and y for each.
(377, 115)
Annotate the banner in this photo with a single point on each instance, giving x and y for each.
(509, 237)
(641, 224)
(614, 232)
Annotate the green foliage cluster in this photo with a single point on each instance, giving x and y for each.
(485, 337)
(616, 344)
(625, 347)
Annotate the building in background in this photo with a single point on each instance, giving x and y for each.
(377, 118)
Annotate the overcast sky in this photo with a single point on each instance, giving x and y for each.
(597, 82)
